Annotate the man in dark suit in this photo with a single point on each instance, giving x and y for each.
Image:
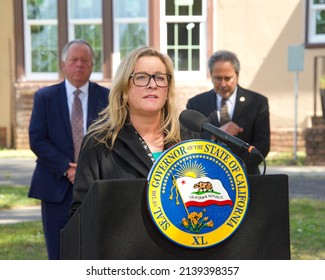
(52, 137)
(235, 110)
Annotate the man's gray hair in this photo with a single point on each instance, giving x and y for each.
(224, 55)
(76, 41)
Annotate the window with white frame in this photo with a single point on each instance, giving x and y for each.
(183, 36)
(315, 22)
(41, 39)
(85, 22)
(130, 18)
(42, 30)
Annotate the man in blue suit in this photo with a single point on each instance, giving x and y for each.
(245, 113)
(50, 136)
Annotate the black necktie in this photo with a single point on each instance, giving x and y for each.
(77, 123)
(224, 115)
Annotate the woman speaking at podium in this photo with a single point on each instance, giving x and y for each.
(140, 122)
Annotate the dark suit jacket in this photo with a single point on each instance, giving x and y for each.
(251, 113)
(51, 138)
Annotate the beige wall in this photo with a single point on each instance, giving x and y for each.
(7, 64)
(260, 31)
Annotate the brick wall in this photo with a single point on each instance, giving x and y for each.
(315, 138)
(23, 109)
(282, 140)
(3, 137)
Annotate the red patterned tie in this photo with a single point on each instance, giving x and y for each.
(77, 123)
(224, 115)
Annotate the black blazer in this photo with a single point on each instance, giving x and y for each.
(51, 138)
(251, 113)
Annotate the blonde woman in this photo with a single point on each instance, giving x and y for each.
(140, 122)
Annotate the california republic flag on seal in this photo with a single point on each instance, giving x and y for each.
(202, 192)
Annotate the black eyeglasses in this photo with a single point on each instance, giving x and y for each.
(143, 79)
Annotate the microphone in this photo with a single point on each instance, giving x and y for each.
(195, 121)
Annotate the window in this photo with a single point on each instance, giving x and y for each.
(113, 28)
(130, 27)
(315, 35)
(41, 37)
(85, 21)
(183, 36)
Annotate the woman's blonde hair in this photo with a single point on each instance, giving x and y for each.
(116, 114)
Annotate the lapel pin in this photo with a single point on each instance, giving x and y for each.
(242, 99)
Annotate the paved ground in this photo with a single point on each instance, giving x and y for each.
(305, 181)
(20, 215)
(17, 171)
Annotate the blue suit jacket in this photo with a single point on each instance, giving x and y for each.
(50, 138)
(251, 112)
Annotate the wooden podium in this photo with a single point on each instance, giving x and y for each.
(113, 222)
